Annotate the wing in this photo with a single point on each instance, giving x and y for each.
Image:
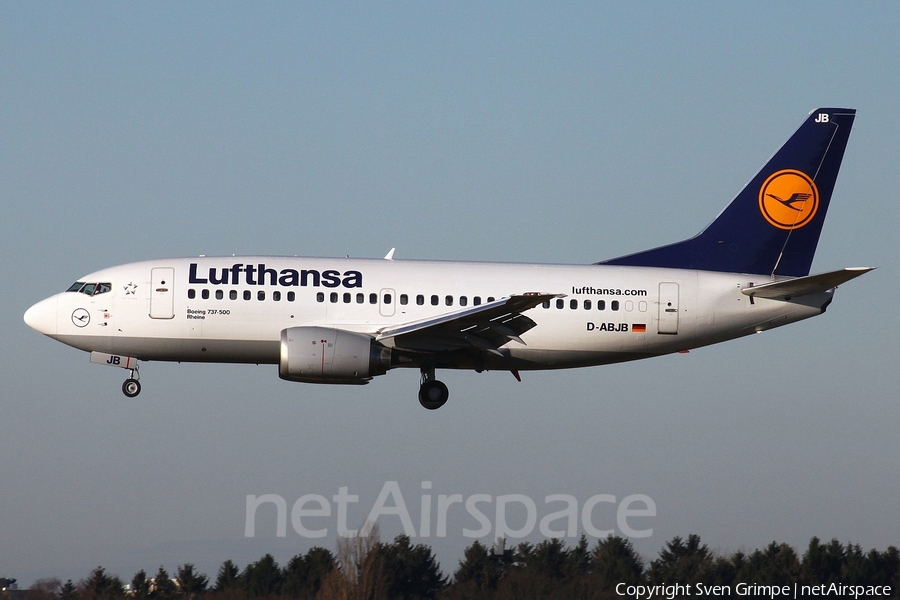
(485, 327)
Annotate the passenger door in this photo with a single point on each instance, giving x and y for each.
(668, 308)
(162, 293)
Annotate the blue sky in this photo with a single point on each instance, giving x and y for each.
(512, 132)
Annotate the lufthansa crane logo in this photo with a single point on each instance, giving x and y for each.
(81, 317)
(789, 199)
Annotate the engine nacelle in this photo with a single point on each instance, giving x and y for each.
(326, 355)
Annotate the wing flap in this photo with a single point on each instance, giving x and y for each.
(801, 286)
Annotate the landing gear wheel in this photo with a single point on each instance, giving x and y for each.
(433, 394)
(131, 387)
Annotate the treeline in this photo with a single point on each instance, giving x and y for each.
(366, 569)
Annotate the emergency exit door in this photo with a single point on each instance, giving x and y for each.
(386, 303)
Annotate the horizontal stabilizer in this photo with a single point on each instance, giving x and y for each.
(801, 286)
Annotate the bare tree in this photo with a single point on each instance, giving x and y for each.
(359, 572)
(44, 589)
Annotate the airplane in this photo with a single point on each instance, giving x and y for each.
(348, 320)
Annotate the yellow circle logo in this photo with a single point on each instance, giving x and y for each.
(789, 199)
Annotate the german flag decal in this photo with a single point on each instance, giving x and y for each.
(639, 328)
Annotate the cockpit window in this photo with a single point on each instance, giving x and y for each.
(91, 289)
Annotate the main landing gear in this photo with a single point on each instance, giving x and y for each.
(433, 394)
(132, 387)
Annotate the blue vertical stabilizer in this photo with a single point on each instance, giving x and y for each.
(772, 227)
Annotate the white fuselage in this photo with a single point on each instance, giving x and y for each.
(233, 309)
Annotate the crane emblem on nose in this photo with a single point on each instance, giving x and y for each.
(81, 317)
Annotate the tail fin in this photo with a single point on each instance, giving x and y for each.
(772, 227)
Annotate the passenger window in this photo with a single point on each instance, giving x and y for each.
(601, 304)
(347, 297)
(420, 299)
(614, 305)
(233, 294)
(476, 300)
(404, 299)
(205, 294)
(573, 303)
(291, 296)
(276, 296)
(434, 300)
(219, 294)
(333, 297)
(373, 298)
(490, 298)
(463, 301)
(192, 294)
(320, 296)
(247, 295)
(448, 300)
(587, 305)
(360, 298)
(388, 299)
(545, 304)
(560, 303)
(260, 295)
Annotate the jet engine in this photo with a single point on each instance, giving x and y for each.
(326, 355)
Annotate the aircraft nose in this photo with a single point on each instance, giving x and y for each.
(42, 316)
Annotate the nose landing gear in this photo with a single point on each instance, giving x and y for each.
(132, 387)
(433, 394)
